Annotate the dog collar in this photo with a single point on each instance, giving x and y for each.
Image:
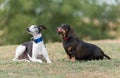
(38, 40)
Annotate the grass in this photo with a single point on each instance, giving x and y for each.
(60, 68)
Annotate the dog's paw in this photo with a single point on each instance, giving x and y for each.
(40, 61)
(49, 62)
(14, 59)
(73, 59)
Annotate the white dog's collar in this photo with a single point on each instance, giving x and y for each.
(38, 40)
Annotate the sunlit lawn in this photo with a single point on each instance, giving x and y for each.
(61, 68)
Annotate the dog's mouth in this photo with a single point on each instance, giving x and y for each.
(60, 31)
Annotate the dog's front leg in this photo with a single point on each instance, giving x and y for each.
(34, 56)
(45, 55)
(68, 51)
(47, 59)
(73, 59)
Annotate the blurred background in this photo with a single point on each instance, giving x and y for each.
(90, 19)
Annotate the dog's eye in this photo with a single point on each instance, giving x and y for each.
(35, 27)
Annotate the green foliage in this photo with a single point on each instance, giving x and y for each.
(90, 19)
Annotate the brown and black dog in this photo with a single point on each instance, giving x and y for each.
(77, 49)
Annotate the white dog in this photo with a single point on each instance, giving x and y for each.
(32, 50)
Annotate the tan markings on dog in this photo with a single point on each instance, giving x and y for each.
(61, 35)
(64, 32)
(69, 48)
(73, 59)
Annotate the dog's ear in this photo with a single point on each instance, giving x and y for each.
(42, 27)
(70, 31)
(68, 28)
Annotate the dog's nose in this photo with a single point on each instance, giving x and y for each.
(27, 29)
(58, 29)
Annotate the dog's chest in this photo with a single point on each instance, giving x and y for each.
(37, 47)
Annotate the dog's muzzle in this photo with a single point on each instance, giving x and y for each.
(59, 30)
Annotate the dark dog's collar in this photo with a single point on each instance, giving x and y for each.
(38, 40)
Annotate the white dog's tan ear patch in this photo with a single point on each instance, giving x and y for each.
(42, 27)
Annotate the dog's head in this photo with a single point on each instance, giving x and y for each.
(34, 29)
(65, 31)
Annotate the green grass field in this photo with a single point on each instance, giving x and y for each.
(61, 68)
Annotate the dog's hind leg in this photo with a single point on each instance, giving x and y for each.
(34, 59)
(19, 51)
(21, 60)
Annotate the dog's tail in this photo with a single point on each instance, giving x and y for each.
(107, 56)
